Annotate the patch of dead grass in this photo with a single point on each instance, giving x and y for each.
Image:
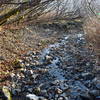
(92, 30)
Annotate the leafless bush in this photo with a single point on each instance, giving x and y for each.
(92, 25)
(92, 30)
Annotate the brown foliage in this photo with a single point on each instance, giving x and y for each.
(92, 30)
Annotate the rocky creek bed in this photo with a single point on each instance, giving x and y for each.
(62, 71)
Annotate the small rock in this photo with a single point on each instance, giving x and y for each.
(85, 96)
(27, 64)
(61, 98)
(63, 94)
(2, 58)
(58, 91)
(7, 92)
(48, 57)
(30, 89)
(98, 85)
(29, 52)
(78, 69)
(39, 44)
(32, 97)
(97, 98)
(37, 62)
(87, 76)
(42, 98)
(16, 91)
(94, 92)
(34, 76)
(56, 82)
(44, 93)
(2, 95)
(12, 75)
(37, 90)
(66, 98)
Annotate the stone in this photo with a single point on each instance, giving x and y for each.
(30, 89)
(32, 97)
(48, 57)
(37, 90)
(37, 63)
(44, 93)
(2, 58)
(85, 96)
(7, 92)
(42, 98)
(61, 98)
(2, 95)
(87, 76)
(39, 44)
(94, 93)
(97, 98)
(98, 85)
(58, 91)
(16, 91)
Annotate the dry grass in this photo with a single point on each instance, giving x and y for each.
(92, 30)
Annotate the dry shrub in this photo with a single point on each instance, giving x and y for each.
(92, 30)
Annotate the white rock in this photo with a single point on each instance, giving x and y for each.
(12, 75)
(32, 97)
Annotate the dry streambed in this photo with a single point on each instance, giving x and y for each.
(62, 71)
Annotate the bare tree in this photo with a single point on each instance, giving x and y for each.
(21, 12)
